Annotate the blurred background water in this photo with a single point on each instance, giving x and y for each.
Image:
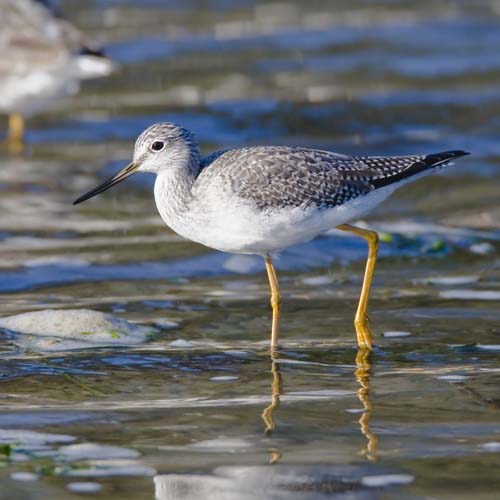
(180, 415)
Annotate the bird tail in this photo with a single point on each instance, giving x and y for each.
(441, 159)
(422, 164)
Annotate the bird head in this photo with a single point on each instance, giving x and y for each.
(162, 147)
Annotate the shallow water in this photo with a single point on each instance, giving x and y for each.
(201, 410)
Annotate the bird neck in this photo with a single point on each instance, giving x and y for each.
(173, 192)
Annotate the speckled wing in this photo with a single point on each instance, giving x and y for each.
(275, 177)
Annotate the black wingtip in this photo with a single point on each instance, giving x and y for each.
(444, 156)
(424, 163)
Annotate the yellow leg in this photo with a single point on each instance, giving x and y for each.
(360, 320)
(16, 131)
(275, 302)
(362, 373)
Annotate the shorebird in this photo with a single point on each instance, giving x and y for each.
(263, 199)
(43, 57)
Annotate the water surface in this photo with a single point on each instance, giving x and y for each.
(201, 410)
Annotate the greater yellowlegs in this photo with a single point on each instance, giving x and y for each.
(43, 57)
(262, 199)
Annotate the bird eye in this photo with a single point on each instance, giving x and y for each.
(157, 146)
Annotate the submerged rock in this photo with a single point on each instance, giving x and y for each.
(63, 329)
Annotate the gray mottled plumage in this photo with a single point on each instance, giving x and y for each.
(279, 176)
(270, 177)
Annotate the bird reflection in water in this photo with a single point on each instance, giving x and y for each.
(362, 374)
(268, 412)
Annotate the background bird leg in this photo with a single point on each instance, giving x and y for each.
(15, 133)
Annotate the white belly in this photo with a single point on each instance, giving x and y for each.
(232, 226)
(28, 91)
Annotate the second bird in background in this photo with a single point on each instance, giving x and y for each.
(43, 58)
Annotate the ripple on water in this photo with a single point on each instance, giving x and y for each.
(453, 378)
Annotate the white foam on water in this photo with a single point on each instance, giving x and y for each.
(489, 347)
(24, 476)
(493, 446)
(84, 487)
(470, 294)
(224, 378)
(88, 451)
(448, 280)
(396, 334)
(237, 354)
(65, 329)
(483, 248)
(453, 378)
(32, 439)
(166, 324)
(317, 280)
(181, 343)
(386, 480)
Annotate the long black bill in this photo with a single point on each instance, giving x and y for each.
(120, 176)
